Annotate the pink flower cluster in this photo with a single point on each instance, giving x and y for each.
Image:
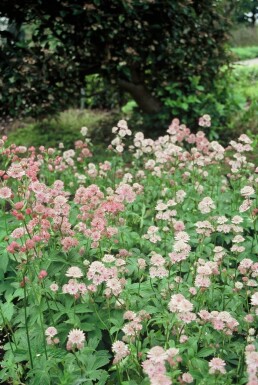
(157, 268)
(95, 211)
(50, 333)
(221, 321)
(121, 132)
(206, 205)
(134, 326)
(216, 366)
(155, 365)
(99, 273)
(205, 121)
(152, 234)
(121, 350)
(181, 247)
(182, 307)
(251, 357)
(204, 271)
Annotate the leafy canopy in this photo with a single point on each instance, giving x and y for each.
(140, 47)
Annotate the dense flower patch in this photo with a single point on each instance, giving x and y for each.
(139, 269)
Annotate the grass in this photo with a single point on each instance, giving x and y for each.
(245, 53)
(63, 128)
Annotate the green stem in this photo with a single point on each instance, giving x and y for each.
(26, 323)
(43, 332)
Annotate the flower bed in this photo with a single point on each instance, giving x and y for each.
(140, 269)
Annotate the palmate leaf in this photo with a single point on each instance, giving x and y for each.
(91, 363)
(93, 360)
(93, 342)
(200, 365)
(97, 377)
(40, 377)
(40, 373)
(101, 359)
(100, 375)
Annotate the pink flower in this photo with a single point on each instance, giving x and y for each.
(125, 193)
(141, 263)
(157, 260)
(254, 299)
(51, 331)
(157, 354)
(121, 350)
(68, 242)
(76, 338)
(247, 191)
(178, 304)
(206, 205)
(249, 318)
(205, 121)
(204, 315)
(18, 233)
(129, 315)
(183, 338)
(5, 192)
(178, 226)
(15, 171)
(115, 286)
(74, 272)
(187, 378)
(54, 287)
(217, 366)
(42, 274)
(245, 206)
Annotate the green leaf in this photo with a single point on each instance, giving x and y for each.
(102, 358)
(7, 310)
(200, 365)
(82, 308)
(205, 352)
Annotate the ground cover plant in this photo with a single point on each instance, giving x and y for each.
(140, 268)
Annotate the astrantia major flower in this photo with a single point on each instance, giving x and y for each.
(5, 192)
(217, 365)
(74, 272)
(247, 191)
(76, 339)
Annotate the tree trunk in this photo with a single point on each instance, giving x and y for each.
(148, 103)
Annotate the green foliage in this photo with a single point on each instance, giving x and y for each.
(139, 47)
(100, 94)
(244, 53)
(244, 90)
(220, 104)
(246, 11)
(232, 105)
